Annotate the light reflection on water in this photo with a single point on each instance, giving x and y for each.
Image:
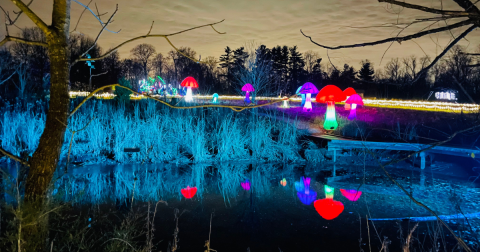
(258, 203)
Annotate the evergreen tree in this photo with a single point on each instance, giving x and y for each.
(367, 75)
(347, 77)
(296, 70)
(226, 63)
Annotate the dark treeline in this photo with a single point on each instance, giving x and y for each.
(272, 71)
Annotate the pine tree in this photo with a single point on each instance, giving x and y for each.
(296, 70)
(347, 77)
(367, 75)
(226, 63)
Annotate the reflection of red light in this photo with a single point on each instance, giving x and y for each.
(329, 209)
(189, 192)
(352, 195)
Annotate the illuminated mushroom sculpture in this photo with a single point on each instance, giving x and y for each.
(354, 100)
(330, 94)
(348, 92)
(189, 192)
(247, 88)
(301, 95)
(215, 98)
(308, 89)
(189, 83)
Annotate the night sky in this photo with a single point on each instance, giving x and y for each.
(269, 22)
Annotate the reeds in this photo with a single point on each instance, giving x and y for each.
(176, 136)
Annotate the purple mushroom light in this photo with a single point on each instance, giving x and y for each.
(246, 185)
(307, 198)
(354, 100)
(247, 88)
(308, 89)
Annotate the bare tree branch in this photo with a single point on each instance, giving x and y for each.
(10, 155)
(468, 6)
(12, 21)
(431, 10)
(398, 39)
(21, 40)
(36, 20)
(100, 33)
(454, 42)
(150, 36)
(81, 14)
(3, 81)
(463, 89)
(94, 75)
(93, 13)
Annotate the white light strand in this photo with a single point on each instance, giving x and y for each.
(416, 105)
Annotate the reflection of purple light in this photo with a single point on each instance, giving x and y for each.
(246, 185)
(307, 198)
(299, 186)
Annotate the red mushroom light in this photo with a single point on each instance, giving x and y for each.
(354, 100)
(348, 92)
(189, 192)
(330, 94)
(329, 209)
(190, 83)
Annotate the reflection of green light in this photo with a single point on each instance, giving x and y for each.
(329, 191)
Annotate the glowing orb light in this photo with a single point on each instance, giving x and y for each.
(352, 195)
(283, 182)
(189, 83)
(189, 192)
(330, 94)
(329, 209)
(245, 185)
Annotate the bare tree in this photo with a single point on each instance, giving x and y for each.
(45, 158)
(23, 75)
(5, 66)
(311, 58)
(470, 14)
(143, 53)
(158, 64)
(256, 71)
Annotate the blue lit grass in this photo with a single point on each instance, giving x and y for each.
(163, 135)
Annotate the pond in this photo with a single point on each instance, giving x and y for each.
(257, 207)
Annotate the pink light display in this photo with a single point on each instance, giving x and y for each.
(352, 195)
(189, 192)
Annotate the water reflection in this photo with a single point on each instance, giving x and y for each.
(189, 192)
(254, 208)
(352, 195)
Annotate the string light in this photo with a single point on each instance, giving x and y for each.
(413, 105)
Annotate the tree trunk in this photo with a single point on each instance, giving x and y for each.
(45, 159)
